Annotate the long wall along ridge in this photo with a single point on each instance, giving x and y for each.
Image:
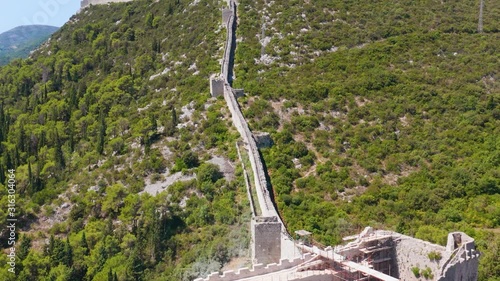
(268, 231)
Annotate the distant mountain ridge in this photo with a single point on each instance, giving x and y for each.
(20, 41)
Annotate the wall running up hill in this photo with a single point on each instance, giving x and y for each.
(241, 125)
(269, 227)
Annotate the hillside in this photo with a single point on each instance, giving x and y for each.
(111, 112)
(384, 113)
(20, 41)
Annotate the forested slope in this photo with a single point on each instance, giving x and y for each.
(384, 113)
(118, 101)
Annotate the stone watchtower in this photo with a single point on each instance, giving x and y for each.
(216, 86)
(266, 235)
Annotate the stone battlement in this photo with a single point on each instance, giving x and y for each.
(258, 269)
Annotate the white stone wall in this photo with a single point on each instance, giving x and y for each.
(257, 270)
(85, 3)
(464, 259)
(241, 125)
(459, 259)
(411, 252)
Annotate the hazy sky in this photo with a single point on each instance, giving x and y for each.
(24, 12)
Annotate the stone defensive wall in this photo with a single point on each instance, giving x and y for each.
(230, 14)
(260, 180)
(241, 124)
(457, 261)
(258, 269)
(85, 3)
(464, 259)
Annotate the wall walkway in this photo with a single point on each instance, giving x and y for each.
(288, 249)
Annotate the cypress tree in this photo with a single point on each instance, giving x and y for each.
(136, 265)
(38, 184)
(8, 161)
(2, 174)
(24, 248)
(102, 133)
(110, 275)
(3, 120)
(68, 250)
(49, 249)
(59, 252)
(174, 117)
(59, 155)
(21, 139)
(30, 179)
(71, 133)
(17, 158)
(102, 257)
(84, 244)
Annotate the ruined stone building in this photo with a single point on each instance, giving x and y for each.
(371, 255)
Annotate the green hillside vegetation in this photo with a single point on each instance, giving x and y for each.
(84, 122)
(20, 41)
(391, 110)
(383, 113)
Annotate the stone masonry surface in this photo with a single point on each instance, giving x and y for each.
(85, 3)
(286, 246)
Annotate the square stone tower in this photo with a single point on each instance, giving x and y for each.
(266, 235)
(216, 86)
